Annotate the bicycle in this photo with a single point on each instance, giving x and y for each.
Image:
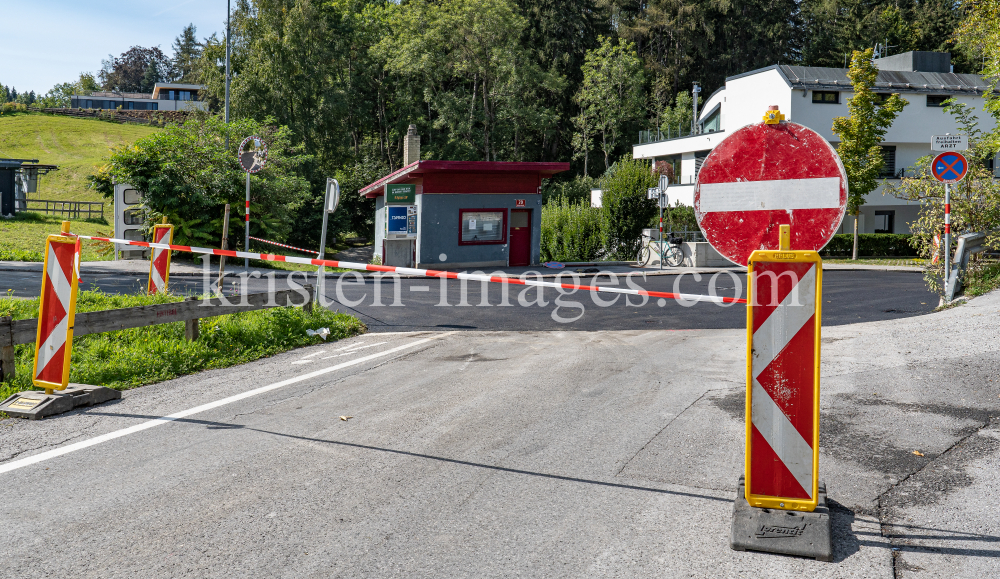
(672, 254)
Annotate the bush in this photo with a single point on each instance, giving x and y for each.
(571, 231)
(13, 108)
(870, 245)
(186, 173)
(625, 209)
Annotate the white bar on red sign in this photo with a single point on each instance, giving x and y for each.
(785, 194)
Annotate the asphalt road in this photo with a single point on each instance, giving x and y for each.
(849, 297)
(512, 454)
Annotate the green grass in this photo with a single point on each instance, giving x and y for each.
(75, 145)
(984, 281)
(23, 237)
(130, 358)
(908, 261)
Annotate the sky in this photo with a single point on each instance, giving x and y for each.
(46, 42)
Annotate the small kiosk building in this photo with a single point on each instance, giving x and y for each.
(458, 214)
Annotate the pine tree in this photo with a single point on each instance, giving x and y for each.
(187, 51)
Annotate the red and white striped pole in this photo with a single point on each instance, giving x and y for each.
(947, 233)
(424, 272)
(56, 311)
(246, 226)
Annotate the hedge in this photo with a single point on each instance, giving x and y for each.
(571, 231)
(870, 245)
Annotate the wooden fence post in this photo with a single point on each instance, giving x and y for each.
(191, 327)
(308, 306)
(7, 352)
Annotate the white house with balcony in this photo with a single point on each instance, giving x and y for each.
(166, 96)
(812, 97)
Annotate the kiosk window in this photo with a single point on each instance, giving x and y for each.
(133, 217)
(482, 226)
(130, 196)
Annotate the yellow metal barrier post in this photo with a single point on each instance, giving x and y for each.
(784, 291)
(54, 338)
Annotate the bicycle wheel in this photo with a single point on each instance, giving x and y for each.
(674, 257)
(643, 256)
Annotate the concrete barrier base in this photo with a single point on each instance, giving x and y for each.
(34, 404)
(780, 531)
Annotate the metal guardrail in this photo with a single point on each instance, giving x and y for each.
(14, 332)
(968, 244)
(73, 209)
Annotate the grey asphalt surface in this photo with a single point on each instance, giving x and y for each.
(515, 454)
(849, 296)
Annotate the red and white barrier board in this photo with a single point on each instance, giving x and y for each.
(783, 348)
(159, 261)
(54, 340)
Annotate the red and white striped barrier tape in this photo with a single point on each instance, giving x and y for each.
(283, 245)
(420, 272)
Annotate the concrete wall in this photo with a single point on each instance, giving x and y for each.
(438, 230)
(915, 124)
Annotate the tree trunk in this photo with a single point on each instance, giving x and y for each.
(854, 253)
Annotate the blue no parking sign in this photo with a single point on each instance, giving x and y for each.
(950, 167)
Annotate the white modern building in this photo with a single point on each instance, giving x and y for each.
(166, 96)
(812, 97)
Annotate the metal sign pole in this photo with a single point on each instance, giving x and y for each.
(330, 201)
(246, 228)
(660, 203)
(947, 233)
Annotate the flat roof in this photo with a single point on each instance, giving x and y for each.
(175, 86)
(418, 169)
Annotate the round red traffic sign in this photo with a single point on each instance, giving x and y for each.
(949, 167)
(763, 176)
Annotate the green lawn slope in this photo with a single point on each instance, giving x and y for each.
(75, 145)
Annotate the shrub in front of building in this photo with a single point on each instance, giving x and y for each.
(870, 245)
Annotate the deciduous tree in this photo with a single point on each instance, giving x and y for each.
(862, 132)
(611, 95)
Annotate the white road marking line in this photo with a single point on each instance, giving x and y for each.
(353, 351)
(821, 193)
(314, 353)
(297, 362)
(43, 456)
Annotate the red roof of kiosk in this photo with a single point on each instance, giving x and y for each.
(468, 177)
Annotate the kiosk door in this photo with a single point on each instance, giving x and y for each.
(520, 237)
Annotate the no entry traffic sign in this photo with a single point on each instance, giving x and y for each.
(950, 167)
(764, 176)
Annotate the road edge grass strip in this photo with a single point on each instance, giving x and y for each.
(136, 357)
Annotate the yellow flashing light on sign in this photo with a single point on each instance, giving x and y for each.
(773, 116)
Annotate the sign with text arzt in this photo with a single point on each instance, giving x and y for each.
(400, 194)
(949, 143)
(764, 176)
